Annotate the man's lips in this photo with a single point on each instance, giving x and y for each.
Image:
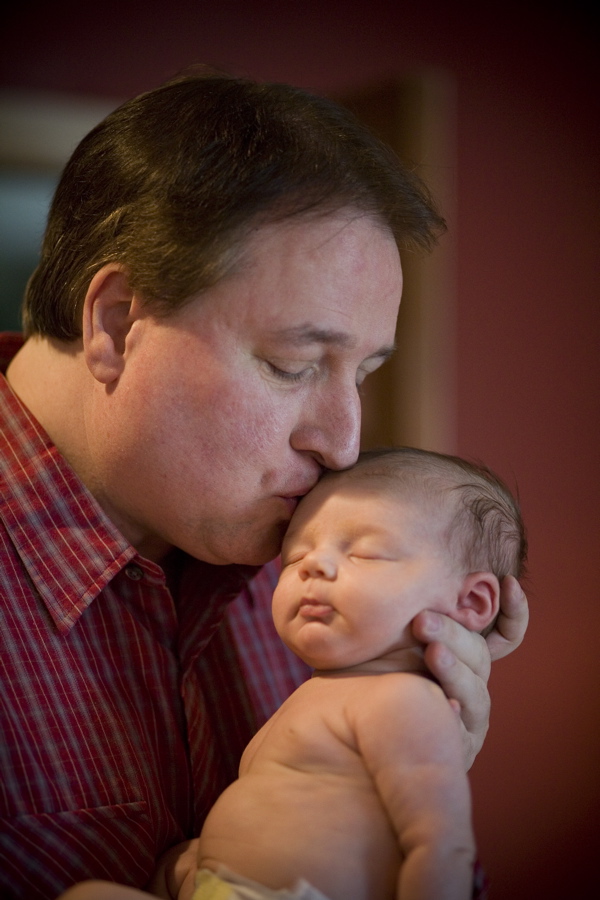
(293, 498)
(291, 504)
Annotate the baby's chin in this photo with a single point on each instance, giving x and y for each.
(405, 659)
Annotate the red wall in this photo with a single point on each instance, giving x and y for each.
(528, 348)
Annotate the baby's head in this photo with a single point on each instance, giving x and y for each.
(483, 525)
(401, 531)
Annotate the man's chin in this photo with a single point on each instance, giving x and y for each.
(257, 553)
(265, 547)
(260, 556)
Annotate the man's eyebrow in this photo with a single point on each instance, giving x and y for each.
(299, 335)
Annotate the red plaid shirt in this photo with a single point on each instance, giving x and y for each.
(128, 693)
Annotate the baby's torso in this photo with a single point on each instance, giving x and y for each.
(305, 805)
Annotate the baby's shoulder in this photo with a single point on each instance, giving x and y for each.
(397, 694)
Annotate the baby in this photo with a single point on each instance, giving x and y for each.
(356, 789)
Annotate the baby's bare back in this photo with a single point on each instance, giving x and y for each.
(304, 805)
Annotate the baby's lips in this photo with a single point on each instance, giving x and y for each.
(314, 609)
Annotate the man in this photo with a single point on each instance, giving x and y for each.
(219, 274)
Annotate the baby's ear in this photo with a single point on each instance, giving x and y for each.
(478, 601)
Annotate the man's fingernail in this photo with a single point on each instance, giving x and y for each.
(445, 657)
(432, 621)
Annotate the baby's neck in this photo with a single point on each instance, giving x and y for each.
(409, 659)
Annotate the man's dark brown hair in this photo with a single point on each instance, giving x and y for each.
(171, 182)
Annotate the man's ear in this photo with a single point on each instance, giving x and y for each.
(478, 601)
(107, 318)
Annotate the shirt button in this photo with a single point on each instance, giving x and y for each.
(134, 572)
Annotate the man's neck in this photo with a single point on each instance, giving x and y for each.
(47, 377)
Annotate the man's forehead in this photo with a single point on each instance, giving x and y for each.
(300, 335)
(312, 334)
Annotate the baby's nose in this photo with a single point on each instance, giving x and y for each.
(318, 565)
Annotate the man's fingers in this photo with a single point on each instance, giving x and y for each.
(461, 685)
(512, 621)
(466, 646)
(458, 681)
(460, 661)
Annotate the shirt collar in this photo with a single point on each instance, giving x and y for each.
(68, 545)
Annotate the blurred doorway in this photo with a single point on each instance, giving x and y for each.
(412, 399)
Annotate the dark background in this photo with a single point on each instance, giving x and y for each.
(527, 350)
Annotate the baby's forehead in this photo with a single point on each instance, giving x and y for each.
(387, 483)
(360, 493)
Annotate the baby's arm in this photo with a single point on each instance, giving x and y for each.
(411, 745)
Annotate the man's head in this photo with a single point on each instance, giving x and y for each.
(371, 547)
(172, 183)
(205, 426)
(219, 274)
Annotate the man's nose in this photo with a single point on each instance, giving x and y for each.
(330, 428)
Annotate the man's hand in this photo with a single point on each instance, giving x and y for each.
(461, 660)
(512, 622)
(174, 876)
